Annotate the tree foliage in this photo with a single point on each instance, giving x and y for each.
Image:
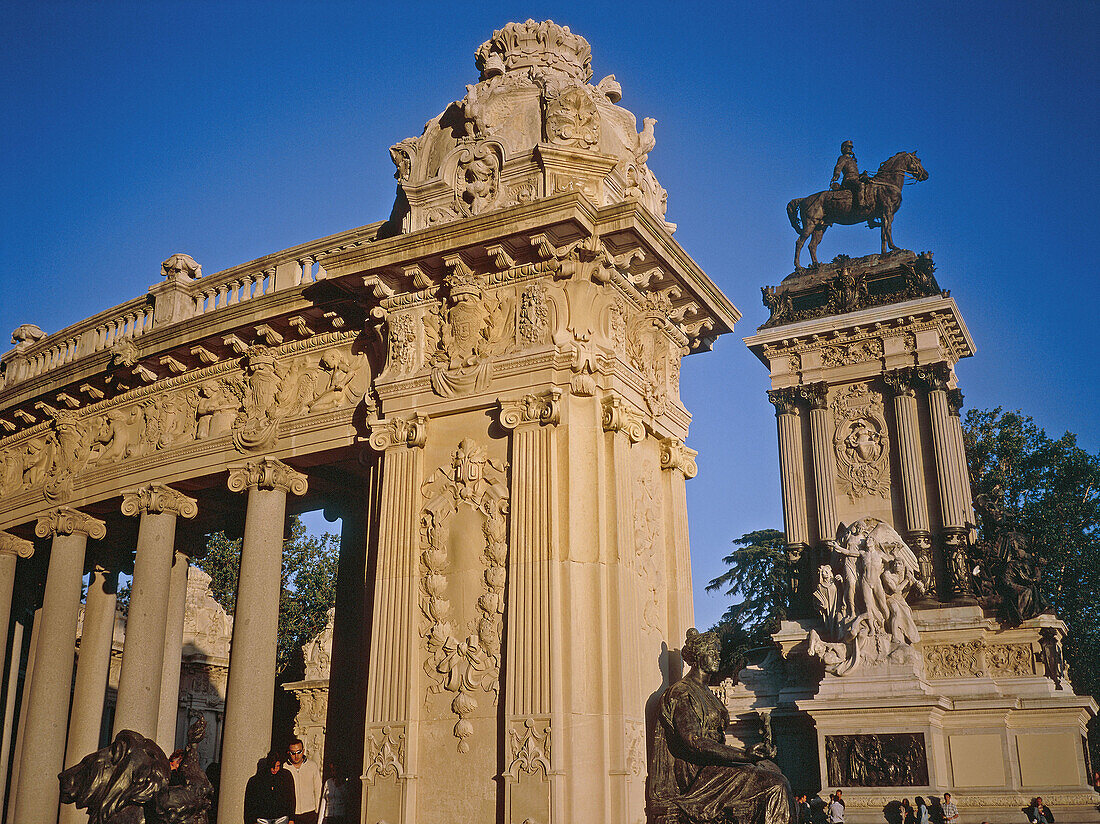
(1050, 491)
(757, 581)
(308, 588)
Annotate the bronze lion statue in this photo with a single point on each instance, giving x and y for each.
(131, 782)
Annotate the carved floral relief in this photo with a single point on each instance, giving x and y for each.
(464, 660)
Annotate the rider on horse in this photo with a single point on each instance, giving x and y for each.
(847, 169)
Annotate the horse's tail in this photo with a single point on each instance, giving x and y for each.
(792, 214)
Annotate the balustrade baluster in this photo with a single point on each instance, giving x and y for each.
(223, 296)
(234, 291)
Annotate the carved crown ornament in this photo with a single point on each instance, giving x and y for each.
(155, 499)
(269, 474)
(533, 126)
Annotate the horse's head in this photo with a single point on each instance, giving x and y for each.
(915, 168)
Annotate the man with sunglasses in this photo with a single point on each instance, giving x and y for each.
(307, 783)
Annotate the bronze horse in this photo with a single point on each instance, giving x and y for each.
(812, 215)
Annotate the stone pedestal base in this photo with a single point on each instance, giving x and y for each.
(979, 718)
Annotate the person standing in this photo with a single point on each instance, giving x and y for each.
(334, 800)
(922, 814)
(802, 804)
(269, 794)
(836, 808)
(907, 816)
(307, 783)
(950, 811)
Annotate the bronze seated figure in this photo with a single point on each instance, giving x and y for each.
(694, 776)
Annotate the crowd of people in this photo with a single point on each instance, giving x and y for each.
(294, 792)
(815, 810)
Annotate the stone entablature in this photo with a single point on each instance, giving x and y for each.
(598, 297)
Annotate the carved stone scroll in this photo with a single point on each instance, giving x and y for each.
(544, 408)
(157, 498)
(267, 473)
(412, 431)
(674, 455)
(13, 545)
(619, 416)
(66, 521)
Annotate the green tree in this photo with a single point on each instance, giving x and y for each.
(1050, 491)
(308, 588)
(757, 579)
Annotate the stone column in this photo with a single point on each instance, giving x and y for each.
(917, 524)
(949, 472)
(11, 550)
(173, 650)
(528, 663)
(954, 407)
(792, 479)
(821, 446)
(139, 682)
(93, 666)
(678, 467)
(24, 706)
(250, 691)
(48, 712)
(389, 752)
(8, 743)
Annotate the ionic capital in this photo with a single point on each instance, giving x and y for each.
(816, 393)
(13, 545)
(619, 416)
(785, 400)
(674, 455)
(267, 473)
(66, 521)
(398, 432)
(154, 499)
(541, 408)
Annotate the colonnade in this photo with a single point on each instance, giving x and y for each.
(949, 517)
(51, 737)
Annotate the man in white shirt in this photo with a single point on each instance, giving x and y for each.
(836, 809)
(307, 783)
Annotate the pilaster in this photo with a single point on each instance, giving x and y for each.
(393, 683)
(532, 675)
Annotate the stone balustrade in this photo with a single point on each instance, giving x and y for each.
(296, 267)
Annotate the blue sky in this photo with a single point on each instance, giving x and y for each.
(231, 130)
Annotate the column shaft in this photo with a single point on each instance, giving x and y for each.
(965, 492)
(36, 798)
(8, 743)
(912, 467)
(173, 650)
(250, 690)
(143, 653)
(821, 445)
(792, 477)
(7, 581)
(93, 666)
(948, 470)
(24, 706)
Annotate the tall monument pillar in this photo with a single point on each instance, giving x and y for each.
(532, 581)
(900, 678)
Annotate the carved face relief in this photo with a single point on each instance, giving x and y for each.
(860, 443)
(572, 119)
(478, 178)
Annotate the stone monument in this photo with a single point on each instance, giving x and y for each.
(892, 672)
(484, 387)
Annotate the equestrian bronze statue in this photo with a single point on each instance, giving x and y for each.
(858, 198)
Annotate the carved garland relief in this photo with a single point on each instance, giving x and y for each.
(464, 662)
(976, 659)
(647, 541)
